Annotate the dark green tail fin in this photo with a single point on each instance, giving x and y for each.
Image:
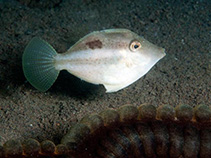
(38, 64)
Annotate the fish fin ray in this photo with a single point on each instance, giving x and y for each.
(38, 64)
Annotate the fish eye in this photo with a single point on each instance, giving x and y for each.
(135, 45)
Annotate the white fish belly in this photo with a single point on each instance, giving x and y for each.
(115, 70)
(96, 67)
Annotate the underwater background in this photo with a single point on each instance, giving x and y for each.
(183, 76)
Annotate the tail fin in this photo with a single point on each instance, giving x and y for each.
(38, 64)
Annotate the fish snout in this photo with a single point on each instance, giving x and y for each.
(160, 52)
(163, 52)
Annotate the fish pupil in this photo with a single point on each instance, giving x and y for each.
(136, 46)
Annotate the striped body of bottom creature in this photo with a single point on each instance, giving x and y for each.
(128, 132)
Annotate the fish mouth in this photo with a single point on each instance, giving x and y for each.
(163, 52)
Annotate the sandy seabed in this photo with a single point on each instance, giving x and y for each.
(182, 77)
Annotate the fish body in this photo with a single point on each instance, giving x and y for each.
(115, 58)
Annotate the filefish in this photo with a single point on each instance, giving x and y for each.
(114, 58)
